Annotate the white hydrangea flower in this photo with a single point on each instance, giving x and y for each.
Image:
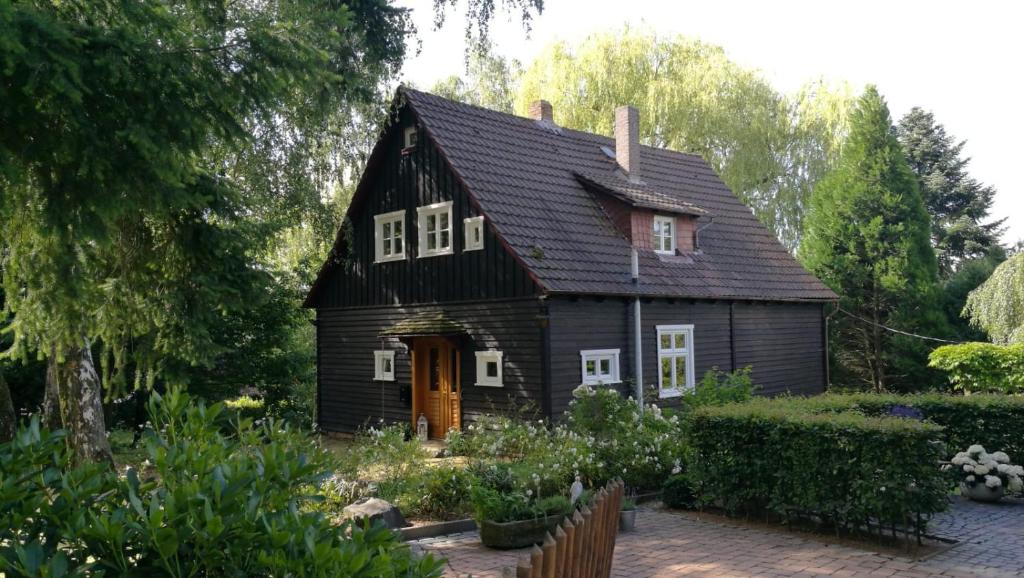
(975, 450)
(1001, 457)
(1003, 468)
(1016, 485)
(993, 482)
(982, 469)
(970, 479)
(1017, 470)
(968, 468)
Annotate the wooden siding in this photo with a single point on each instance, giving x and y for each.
(782, 342)
(405, 180)
(350, 398)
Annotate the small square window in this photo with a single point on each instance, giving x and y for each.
(489, 368)
(600, 366)
(474, 229)
(411, 137)
(384, 365)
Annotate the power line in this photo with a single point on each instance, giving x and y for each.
(887, 328)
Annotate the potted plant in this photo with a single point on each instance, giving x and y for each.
(986, 477)
(627, 517)
(515, 520)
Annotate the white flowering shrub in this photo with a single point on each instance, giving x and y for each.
(976, 466)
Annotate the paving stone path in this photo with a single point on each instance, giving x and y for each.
(990, 543)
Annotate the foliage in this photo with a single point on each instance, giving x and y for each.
(991, 420)
(970, 274)
(677, 492)
(867, 237)
(504, 492)
(976, 466)
(768, 148)
(437, 492)
(997, 306)
(720, 387)
(982, 367)
(845, 468)
(490, 81)
(207, 504)
(957, 202)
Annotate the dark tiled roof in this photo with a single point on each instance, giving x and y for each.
(522, 172)
(637, 194)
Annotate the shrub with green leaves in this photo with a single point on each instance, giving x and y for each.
(207, 503)
(720, 387)
(845, 468)
(982, 367)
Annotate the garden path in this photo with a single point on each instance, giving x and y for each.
(990, 544)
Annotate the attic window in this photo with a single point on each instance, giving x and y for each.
(664, 235)
(389, 233)
(411, 137)
(474, 234)
(435, 229)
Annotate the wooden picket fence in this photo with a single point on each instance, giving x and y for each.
(584, 542)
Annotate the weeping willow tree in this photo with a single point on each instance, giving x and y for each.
(768, 147)
(997, 306)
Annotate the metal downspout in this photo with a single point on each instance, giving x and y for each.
(638, 359)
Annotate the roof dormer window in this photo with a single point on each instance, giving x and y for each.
(664, 235)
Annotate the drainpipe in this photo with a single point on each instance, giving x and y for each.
(638, 360)
(824, 337)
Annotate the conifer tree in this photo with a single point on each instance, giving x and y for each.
(958, 203)
(867, 237)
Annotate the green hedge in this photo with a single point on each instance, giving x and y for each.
(982, 367)
(993, 421)
(848, 469)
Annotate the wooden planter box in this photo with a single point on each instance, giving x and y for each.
(518, 534)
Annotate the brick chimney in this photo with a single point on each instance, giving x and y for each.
(627, 140)
(541, 110)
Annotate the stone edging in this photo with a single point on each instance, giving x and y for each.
(437, 529)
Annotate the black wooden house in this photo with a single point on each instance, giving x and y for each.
(489, 260)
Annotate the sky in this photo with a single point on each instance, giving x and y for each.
(964, 61)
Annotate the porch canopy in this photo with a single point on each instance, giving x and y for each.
(428, 324)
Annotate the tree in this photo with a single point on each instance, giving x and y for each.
(151, 156)
(997, 305)
(491, 81)
(957, 202)
(768, 148)
(866, 236)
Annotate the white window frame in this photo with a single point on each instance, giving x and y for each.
(675, 354)
(379, 373)
(423, 213)
(473, 225)
(659, 246)
(378, 236)
(410, 137)
(482, 359)
(598, 355)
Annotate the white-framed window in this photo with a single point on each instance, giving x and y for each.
(384, 365)
(675, 359)
(599, 366)
(664, 234)
(411, 137)
(435, 229)
(488, 368)
(474, 234)
(389, 236)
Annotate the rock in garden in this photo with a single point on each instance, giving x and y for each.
(376, 509)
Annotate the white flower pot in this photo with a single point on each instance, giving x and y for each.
(981, 493)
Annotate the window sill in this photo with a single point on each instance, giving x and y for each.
(478, 384)
(600, 383)
(669, 393)
(468, 249)
(668, 253)
(389, 259)
(437, 254)
(383, 378)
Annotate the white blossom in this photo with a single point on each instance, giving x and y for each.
(1001, 457)
(993, 482)
(975, 450)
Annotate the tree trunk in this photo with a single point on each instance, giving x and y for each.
(51, 395)
(8, 419)
(81, 407)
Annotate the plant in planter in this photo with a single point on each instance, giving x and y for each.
(986, 477)
(627, 517)
(510, 511)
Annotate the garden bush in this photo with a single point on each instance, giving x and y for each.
(678, 492)
(206, 503)
(982, 367)
(991, 420)
(844, 468)
(720, 387)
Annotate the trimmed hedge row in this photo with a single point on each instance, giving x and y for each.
(982, 367)
(994, 421)
(846, 468)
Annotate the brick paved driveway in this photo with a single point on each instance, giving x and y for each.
(990, 544)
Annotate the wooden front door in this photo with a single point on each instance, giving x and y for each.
(436, 389)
